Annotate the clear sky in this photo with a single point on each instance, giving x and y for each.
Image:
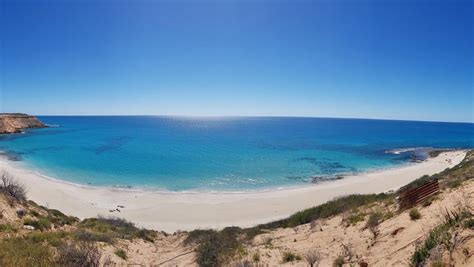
(373, 59)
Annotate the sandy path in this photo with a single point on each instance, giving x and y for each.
(186, 211)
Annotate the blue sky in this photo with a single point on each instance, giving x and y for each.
(371, 59)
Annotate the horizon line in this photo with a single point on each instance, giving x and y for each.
(246, 116)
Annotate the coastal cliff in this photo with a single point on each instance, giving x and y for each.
(16, 122)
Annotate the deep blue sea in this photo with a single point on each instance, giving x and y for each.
(229, 154)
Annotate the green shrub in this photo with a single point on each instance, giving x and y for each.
(42, 223)
(12, 188)
(121, 253)
(374, 219)
(328, 209)
(453, 183)
(438, 235)
(215, 248)
(8, 228)
(59, 219)
(21, 252)
(388, 215)
(339, 261)
(418, 182)
(256, 257)
(414, 214)
(289, 257)
(117, 228)
(355, 217)
(469, 223)
(91, 237)
(208, 254)
(373, 223)
(34, 213)
(53, 238)
(78, 255)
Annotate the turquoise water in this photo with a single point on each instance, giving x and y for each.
(231, 154)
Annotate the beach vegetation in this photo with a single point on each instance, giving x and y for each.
(12, 188)
(373, 223)
(41, 223)
(8, 228)
(60, 219)
(469, 224)
(441, 236)
(290, 257)
(388, 215)
(117, 228)
(355, 217)
(121, 253)
(34, 213)
(339, 261)
(54, 239)
(91, 237)
(19, 251)
(78, 255)
(328, 209)
(312, 257)
(216, 248)
(414, 214)
(453, 183)
(418, 182)
(256, 257)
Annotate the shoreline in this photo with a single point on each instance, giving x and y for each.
(172, 211)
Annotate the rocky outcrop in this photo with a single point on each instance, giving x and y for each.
(16, 122)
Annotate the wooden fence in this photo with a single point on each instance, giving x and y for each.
(412, 197)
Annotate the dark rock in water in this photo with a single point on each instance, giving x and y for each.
(318, 179)
(122, 186)
(10, 155)
(110, 145)
(295, 178)
(326, 166)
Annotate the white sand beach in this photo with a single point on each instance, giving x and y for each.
(186, 211)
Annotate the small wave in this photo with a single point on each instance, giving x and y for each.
(399, 151)
(53, 125)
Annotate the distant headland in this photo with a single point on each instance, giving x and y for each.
(17, 122)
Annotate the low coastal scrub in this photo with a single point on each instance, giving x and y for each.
(373, 223)
(221, 246)
(216, 248)
(414, 214)
(78, 255)
(91, 237)
(12, 188)
(60, 219)
(289, 257)
(8, 228)
(328, 209)
(49, 249)
(442, 236)
(339, 261)
(312, 257)
(354, 218)
(116, 228)
(40, 224)
(20, 251)
(121, 253)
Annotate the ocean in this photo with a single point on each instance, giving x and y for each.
(222, 154)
